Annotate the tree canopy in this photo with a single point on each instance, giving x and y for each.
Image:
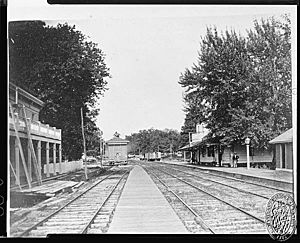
(154, 140)
(60, 66)
(241, 86)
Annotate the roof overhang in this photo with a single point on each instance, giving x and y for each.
(286, 137)
(25, 94)
(193, 146)
(117, 143)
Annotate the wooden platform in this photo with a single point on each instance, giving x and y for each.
(142, 208)
(51, 187)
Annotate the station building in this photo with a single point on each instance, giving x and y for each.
(208, 150)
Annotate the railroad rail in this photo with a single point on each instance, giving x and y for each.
(200, 170)
(213, 212)
(255, 189)
(192, 220)
(85, 211)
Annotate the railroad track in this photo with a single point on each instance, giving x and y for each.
(92, 209)
(212, 213)
(191, 219)
(255, 189)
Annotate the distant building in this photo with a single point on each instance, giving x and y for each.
(284, 150)
(116, 149)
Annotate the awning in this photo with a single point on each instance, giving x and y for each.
(195, 145)
(191, 146)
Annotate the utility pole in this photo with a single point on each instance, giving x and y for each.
(84, 148)
(100, 151)
(103, 150)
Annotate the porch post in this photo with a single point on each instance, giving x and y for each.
(17, 159)
(47, 159)
(39, 157)
(54, 158)
(280, 156)
(29, 161)
(59, 157)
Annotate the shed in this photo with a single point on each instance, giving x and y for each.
(116, 149)
(284, 149)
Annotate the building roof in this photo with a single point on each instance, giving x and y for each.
(206, 141)
(286, 137)
(25, 94)
(117, 140)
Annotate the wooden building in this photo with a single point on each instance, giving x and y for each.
(116, 149)
(32, 144)
(258, 157)
(284, 150)
(206, 151)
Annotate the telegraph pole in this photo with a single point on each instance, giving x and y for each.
(84, 148)
(101, 147)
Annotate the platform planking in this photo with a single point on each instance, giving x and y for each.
(51, 187)
(142, 208)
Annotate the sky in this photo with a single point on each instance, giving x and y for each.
(146, 49)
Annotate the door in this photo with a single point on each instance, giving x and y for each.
(282, 155)
(117, 157)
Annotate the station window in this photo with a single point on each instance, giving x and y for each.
(211, 151)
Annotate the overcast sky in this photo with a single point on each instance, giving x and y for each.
(146, 48)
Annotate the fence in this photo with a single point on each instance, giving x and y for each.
(65, 167)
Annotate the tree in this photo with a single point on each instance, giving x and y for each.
(154, 140)
(241, 86)
(65, 70)
(189, 126)
(215, 84)
(270, 105)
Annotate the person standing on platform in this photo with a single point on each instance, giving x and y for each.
(235, 159)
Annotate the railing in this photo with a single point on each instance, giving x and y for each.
(38, 128)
